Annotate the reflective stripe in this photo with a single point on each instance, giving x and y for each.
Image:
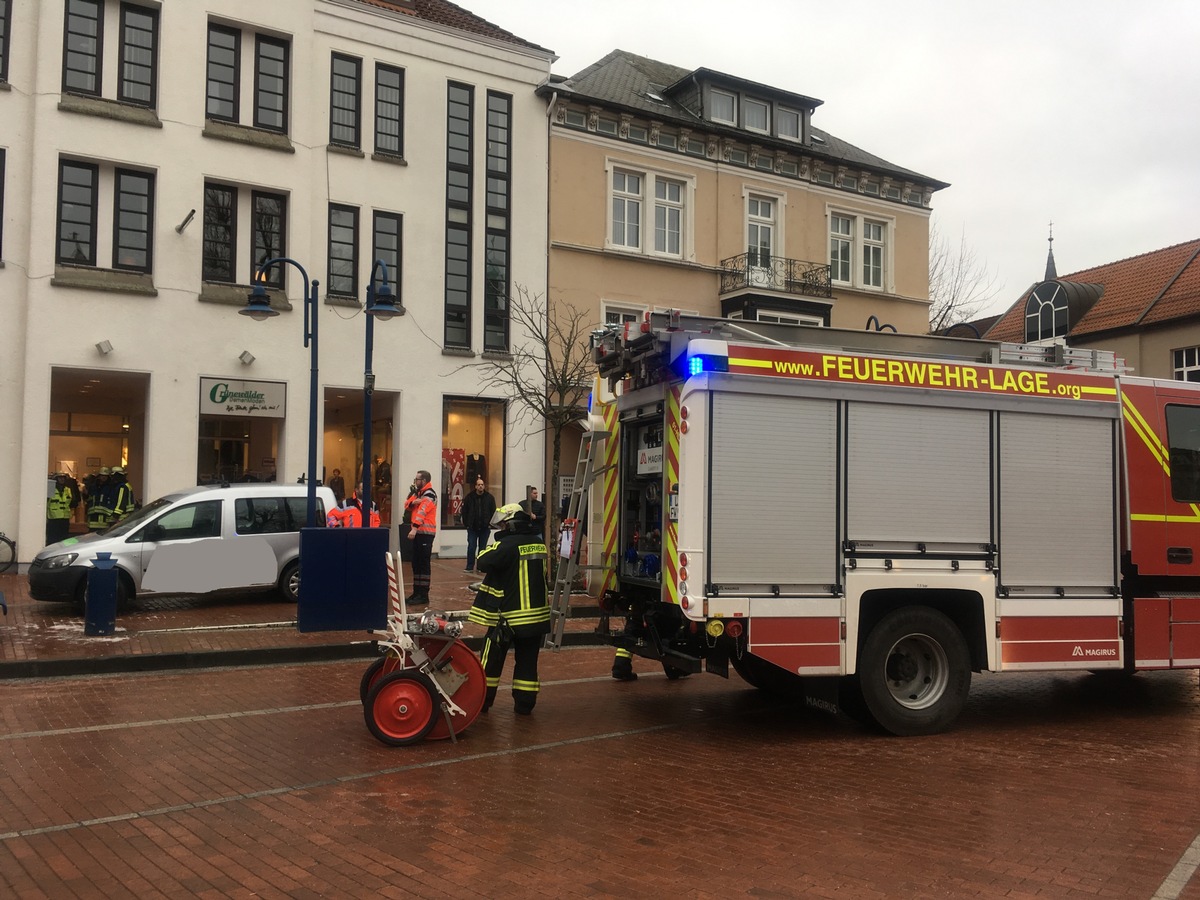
(531, 686)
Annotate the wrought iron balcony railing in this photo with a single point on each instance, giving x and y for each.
(775, 273)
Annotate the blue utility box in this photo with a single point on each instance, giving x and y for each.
(343, 579)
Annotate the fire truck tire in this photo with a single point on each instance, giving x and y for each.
(768, 677)
(915, 671)
(401, 707)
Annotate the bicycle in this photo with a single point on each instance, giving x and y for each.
(8, 552)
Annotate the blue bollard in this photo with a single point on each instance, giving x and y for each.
(100, 606)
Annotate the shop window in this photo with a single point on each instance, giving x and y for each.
(472, 446)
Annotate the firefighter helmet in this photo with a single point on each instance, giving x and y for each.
(509, 515)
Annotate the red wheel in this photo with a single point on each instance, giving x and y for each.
(458, 661)
(401, 707)
(375, 671)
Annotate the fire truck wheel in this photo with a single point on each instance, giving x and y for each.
(375, 671)
(915, 671)
(401, 707)
(768, 677)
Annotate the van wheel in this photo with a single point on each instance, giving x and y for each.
(289, 582)
(915, 671)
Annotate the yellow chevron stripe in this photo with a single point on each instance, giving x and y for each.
(1143, 430)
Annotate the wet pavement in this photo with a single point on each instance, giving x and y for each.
(263, 781)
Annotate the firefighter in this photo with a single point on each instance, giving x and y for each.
(421, 512)
(512, 602)
(123, 502)
(100, 500)
(58, 510)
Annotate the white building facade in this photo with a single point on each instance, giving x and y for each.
(153, 154)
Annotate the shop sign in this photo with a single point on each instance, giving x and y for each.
(227, 397)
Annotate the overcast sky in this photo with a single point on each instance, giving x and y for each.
(1084, 112)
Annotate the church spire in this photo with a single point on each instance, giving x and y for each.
(1051, 274)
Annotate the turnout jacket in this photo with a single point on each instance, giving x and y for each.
(514, 585)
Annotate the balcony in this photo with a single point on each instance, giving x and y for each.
(759, 271)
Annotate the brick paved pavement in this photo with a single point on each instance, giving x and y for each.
(264, 781)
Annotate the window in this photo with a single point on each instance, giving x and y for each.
(758, 116)
(78, 189)
(267, 225)
(840, 238)
(760, 231)
(619, 315)
(472, 445)
(873, 254)
(345, 100)
(723, 107)
(271, 79)
(3, 159)
(387, 240)
(343, 251)
(1186, 362)
(219, 253)
(224, 51)
(184, 523)
(133, 219)
(389, 110)
(1183, 435)
(626, 209)
(270, 84)
(1046, 312)
(668, 216)
(81, 46)
(787, 121)
(496, 250)
(460, 103)
(5, 30)
(269, 515)
(139, 56)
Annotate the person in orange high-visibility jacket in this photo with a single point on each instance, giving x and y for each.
(421, 511)
(513, 603)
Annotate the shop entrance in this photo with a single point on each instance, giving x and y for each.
(97, 420)
(343, 448)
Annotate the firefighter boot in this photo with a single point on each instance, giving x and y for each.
(622, 668)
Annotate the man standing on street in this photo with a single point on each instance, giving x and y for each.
(477, 511)
(421, 508)
(58, 510)
(512, 603)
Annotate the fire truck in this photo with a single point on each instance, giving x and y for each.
(868, 518)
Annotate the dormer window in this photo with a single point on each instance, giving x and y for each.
(758, 117)
(787, 121)
(1046, 312)
(723, 107)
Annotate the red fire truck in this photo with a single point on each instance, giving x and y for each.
(870, 517)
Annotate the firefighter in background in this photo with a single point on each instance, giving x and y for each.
(58, 510)
(123, 503)
(512, 602)
(421, 513)
(100, 500)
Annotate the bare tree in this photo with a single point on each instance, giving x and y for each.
(549, 372)
(960, 283)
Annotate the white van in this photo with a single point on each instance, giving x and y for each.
(240, 537)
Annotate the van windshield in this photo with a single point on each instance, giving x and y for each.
(138, 517)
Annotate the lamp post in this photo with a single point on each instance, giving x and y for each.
(258, 307)
(379, 306)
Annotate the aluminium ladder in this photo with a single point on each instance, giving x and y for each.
(586, 473)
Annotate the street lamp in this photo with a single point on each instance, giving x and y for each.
(258, 307)
(379, 306)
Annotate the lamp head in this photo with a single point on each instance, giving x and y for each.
(381, 305)
(258, 305)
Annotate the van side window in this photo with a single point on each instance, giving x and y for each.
(262, 515)
(196, 520)
(1183, 435)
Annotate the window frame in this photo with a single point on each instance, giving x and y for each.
(205, 273)
(356, 111)
(860, 249)
(756, 221)
(277, 275)
(668, 206)
(90, 260)
(782, 113)
(284, 95)
(3, 181)
(236, 85)
(626, 198)
(394, 272)
(712, 106)
(339, 288)
(1181, 368)
(456, 317)
(874, 253)
(124, 46)
(1054, 307)
(381, 68)
(118, 193)
(97, 56)
(747, 102)
(5, 37)
(497, 251)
